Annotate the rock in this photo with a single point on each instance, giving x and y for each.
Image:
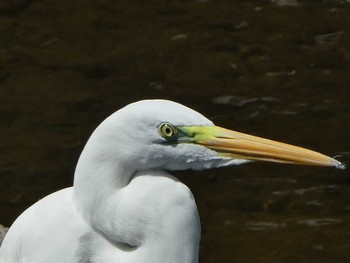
(3, 231)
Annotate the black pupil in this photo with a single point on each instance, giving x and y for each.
(168, 130)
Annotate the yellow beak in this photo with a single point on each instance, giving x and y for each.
(237, 145)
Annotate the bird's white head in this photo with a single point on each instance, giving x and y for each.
(161, 134)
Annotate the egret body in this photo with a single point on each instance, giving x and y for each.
(124, 206)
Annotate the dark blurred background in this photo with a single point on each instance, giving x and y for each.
(278, 69)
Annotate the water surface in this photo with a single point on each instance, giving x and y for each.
(278, 69)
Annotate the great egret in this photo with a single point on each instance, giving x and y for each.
(124, 206)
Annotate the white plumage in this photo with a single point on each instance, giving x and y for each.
(124, 206)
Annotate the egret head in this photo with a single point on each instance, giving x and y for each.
(160, 134)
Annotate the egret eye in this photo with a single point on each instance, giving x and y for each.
(168, 131)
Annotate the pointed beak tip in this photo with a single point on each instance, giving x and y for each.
(337, 164)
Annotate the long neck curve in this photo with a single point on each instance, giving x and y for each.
(145, 209)
(96, 179)
(101, 171)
